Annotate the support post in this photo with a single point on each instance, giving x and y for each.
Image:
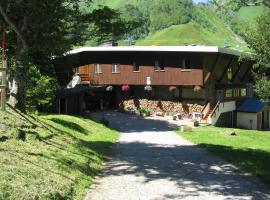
(247, 72)
(3, 81)
(3, 70)
(226, 68)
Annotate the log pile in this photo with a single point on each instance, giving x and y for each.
(156, 106)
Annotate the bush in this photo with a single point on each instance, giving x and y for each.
(40, 90)
(145, 111)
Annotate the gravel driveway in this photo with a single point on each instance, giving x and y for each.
(151, 162)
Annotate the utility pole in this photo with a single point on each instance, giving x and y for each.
(3, 70)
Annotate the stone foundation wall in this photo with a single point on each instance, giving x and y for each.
(158, 106)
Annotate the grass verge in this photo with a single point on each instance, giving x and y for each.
(250, 149)
(50, 156)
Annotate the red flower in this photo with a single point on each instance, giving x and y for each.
(125, 88)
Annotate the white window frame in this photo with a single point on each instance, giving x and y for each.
(98, 68)
(115, 68)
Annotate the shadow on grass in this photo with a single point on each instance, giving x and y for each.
(90, 153)
(69, 125)
(255, 161)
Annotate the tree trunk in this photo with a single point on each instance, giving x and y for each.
(17, 85)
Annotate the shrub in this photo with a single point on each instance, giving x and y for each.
(145, 111)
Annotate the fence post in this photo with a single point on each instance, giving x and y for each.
(3, 85)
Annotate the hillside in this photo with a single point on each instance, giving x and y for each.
(250, 13)
(191, 33)
(49, 156)
(205, 27)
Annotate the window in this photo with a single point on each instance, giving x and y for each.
(236, 92)
(158, 66)
(229, 93)
(186, 64)
(115, 68)
(136, 67)
(98, 69)
(243, 92)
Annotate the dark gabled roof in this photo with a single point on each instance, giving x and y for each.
(252, 106)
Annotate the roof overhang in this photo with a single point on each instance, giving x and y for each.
(183, 49)
(87, 55)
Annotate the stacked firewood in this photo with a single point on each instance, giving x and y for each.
(158, 107)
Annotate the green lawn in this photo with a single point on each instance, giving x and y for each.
(249, 150)
(50, 156)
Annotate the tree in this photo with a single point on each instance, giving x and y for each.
(40, 30)
(167, 13)
(108, 24)
(138, 22)
(258, 39)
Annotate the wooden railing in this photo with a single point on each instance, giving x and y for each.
(215, 109)
(84, 77)
(206, 108)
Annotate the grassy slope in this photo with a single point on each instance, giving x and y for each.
(50, 156)
(250, 13)
(208, 29)
(249, 149)
(215, 32)
(190, 33)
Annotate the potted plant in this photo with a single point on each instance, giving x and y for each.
(145, 112)
(125, 88)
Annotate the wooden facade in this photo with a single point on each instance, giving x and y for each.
(126, 75)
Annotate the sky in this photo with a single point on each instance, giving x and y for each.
(197, 1)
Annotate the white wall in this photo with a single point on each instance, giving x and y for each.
(243, 120)
(223, 108)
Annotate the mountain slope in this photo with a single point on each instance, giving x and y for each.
(250, 13)
(206, 27)
(191, 33)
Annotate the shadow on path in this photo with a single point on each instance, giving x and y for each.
(193, 170)
(150, 155)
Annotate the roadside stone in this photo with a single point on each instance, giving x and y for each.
(160, 114)
(230, 133)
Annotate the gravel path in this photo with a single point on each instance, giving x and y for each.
(151, 162)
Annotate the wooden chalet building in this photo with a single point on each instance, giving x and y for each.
(210, 76)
